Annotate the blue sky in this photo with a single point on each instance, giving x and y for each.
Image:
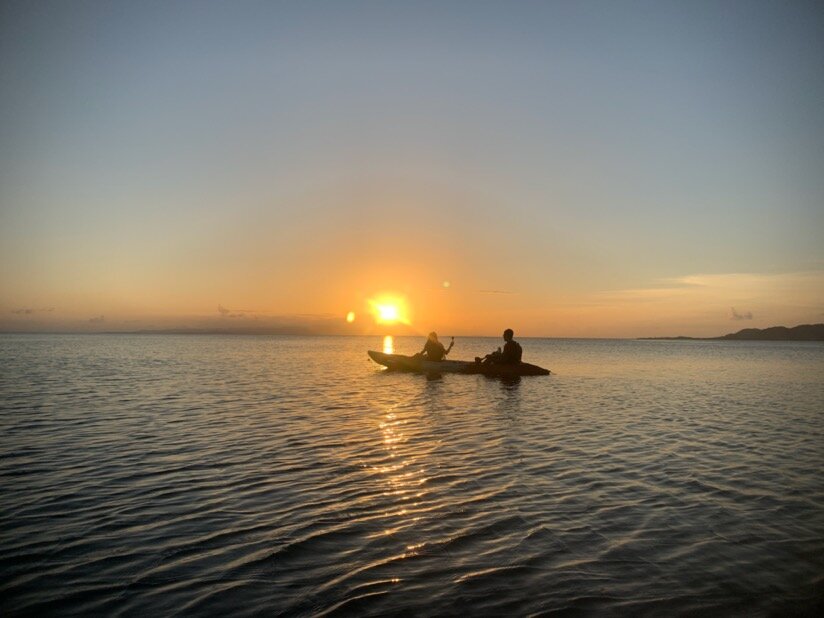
(157, 159)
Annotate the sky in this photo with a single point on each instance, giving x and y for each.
(565, 169)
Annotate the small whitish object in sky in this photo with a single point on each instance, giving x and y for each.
(350, 317)
(446, 284)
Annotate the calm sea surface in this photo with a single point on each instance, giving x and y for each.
(160, 475)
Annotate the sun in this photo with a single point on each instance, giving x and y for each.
(389, 310)
(388, 313)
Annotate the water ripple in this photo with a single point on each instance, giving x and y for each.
(209, 475)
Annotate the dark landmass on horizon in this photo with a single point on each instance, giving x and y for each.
(321, 328)
(803, 332)
(288, 330)
(233, 324)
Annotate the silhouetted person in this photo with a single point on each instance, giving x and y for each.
(511, 354)
(433, 349)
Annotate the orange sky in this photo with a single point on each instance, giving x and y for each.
(570, 170)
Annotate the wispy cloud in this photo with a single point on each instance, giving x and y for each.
(782, 285)
(496, 292)
(735, 315)
(98, 319)
(229, 313)
(30, 311)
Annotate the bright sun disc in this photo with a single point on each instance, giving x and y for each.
(388, 313)
(389, 310)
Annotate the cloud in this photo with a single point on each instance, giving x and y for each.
(495, 292)
(719, 289)
(99, 319)
(30, 311)
(747, 315)
(227, 313)
(233, 313)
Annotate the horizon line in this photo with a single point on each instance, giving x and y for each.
(240, 332)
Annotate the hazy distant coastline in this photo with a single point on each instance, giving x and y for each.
(803, 332)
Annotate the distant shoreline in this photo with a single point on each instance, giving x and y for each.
(803, 332)
(284, 334)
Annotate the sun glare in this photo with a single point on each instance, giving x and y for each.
(389, 310)
(388, 313)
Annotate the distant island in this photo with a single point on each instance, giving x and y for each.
(804, 332)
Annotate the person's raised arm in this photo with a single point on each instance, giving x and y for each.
(451, 343)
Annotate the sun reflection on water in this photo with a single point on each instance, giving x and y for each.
(388, 345)
(404, 479)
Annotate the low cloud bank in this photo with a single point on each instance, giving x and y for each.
(30, 311)
(735, 315)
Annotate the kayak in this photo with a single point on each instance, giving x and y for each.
(399, 362)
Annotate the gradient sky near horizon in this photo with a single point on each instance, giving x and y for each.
(570, 168)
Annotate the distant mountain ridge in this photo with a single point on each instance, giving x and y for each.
(802, 332)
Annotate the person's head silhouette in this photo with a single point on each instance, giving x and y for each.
(433, 336)
(508, 334)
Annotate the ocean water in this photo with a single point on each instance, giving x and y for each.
(230, 475)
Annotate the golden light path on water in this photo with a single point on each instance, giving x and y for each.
(403, 475)
(404, 481)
